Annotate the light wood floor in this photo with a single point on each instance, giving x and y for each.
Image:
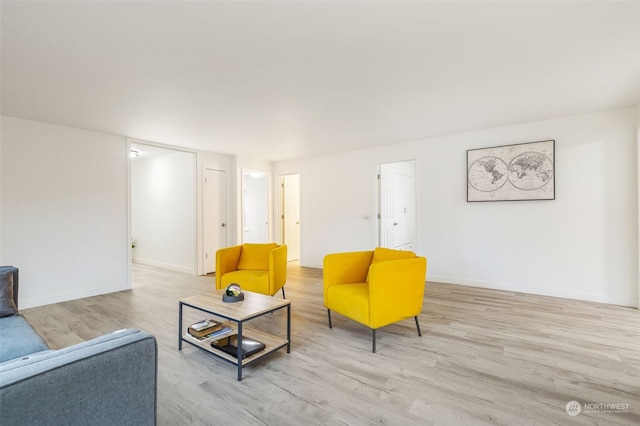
(485, 357)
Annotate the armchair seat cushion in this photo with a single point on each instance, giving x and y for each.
(351, 300)
(249, 279)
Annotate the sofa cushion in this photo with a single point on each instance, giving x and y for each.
(255, 256)
(7, 303)
(18, 338)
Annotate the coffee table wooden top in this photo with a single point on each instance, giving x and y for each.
(252, 305)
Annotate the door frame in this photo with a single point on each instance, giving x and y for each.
(281, 213)
(224, 208)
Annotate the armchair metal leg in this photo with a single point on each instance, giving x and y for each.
(329, 315)
(373, 330)
(418, 326)
(283, 293)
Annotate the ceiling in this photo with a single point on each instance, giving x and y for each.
(281, 80)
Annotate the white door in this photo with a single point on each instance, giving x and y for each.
(214, 216)
(404, 208)
(290, 214)
(397, 214)
(255, 207)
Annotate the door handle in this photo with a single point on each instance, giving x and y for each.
(224, 224)
(395, 223)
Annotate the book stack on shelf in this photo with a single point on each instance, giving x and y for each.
(207, 329)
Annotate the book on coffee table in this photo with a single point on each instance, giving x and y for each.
(215, 334)
(204, 328)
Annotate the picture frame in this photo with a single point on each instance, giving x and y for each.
(516, 172)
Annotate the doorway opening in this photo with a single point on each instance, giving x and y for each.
(397, 205)
(163, 207)
(290, 214)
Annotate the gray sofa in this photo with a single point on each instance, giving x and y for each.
(110, 380)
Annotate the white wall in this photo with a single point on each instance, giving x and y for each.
(163, 219)
(63, 211)
(583, 245)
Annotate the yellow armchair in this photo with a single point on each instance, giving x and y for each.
(261, 268)
(375, 288)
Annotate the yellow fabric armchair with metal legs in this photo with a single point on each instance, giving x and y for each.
(261, 268)
(375, 288)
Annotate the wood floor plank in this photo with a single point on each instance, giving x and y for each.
(486, 357)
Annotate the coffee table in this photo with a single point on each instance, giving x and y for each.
(236, 314)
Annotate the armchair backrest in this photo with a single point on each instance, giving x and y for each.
(348, 267)
(255, 256)
(381, 254)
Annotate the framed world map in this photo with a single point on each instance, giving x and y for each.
(516, 172)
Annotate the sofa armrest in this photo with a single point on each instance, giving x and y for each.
(108, 380)
(226, 261)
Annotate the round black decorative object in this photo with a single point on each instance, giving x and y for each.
(233, 293)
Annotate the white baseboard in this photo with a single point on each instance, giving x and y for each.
(177, 268)
(26, 303)
(546, 291)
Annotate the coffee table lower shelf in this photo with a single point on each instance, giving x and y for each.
(272, 343)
